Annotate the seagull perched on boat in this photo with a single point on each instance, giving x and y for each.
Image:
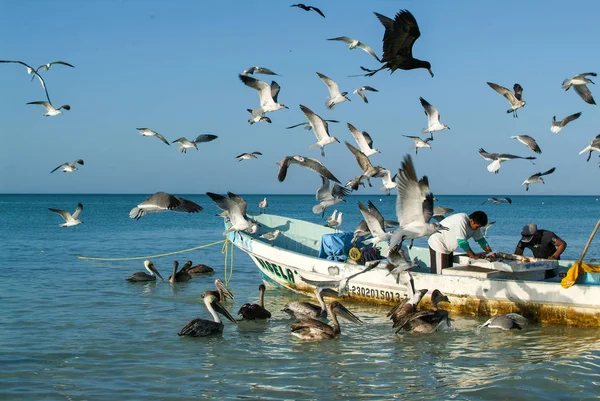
(414, 206)
(363, 140)
(594, 145)
(186, 144)
(202, 327)
(143, 276)
(398, 40)
(559, 125)
(354, 43)
(335, 96)
(529, 142)
(307, 162)
(149, 132)
(68, 167)
(309, 8)
(328, 195)
(498, 158)
(368, 170)
(537, 177)
(266, 93)
(70, 219)
(508, 321)
(258, 70)
(337, 222)
(497, 201)
(271, 236)
(248, 156)
(516, 100)
(162, 202)
(359, 91)
(235, 206)
(375, 223)
(333, 217)
(389, 182)
(50, 110)
(262, 205)
(31, 71)
(579, 83)
(419, 143)
(259, 118)
(320, 129)
(433, 119)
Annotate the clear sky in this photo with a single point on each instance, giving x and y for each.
(173, 66)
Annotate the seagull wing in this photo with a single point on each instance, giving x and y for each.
(373, 222)
(409, 203)
(62, 165)
(162, 138)
(297, 125)
(184, 205)
(33, 71)
(339, 192)
(77, 211)
(367, 138)
(343, 39)
(433, 116)
(239, 203)
(317, 10)
(362, 159)
(547, 172)
(309, 163)
(360, 138)
(486, 155)
(518, 91)
(334, 91)
(323, 193)
(585, 93)
(319, 126)
(568, 119)
(504, 92)
(360, 93)
(204, 138)
(65, 215)
(529, 142)
(275, 88)
(368, 49)
(264, 90)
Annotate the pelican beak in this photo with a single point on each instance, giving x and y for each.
(155, 270)
(430, 72)
(219, 308)
(223, 288)
(346, 314)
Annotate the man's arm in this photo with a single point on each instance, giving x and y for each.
(518, 249)
(560, 248)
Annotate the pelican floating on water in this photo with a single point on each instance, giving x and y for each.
(143, 276)
(303, 309)
(201, 327)
(222, 292)
(197, 269)
(429, 321)
(179, 276)
(312, 329)
(255, 311)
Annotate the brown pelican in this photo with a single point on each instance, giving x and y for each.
(312, 329)
(179, 276)
(507, 321)
(197, 269)
(222, 292)
(254, 311)
(202, 327)
(143, 276)
(406, 308)
(302, 309)
(429, 321)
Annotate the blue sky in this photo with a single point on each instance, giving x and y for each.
(173, 66)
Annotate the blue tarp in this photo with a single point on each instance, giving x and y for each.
(336, 246)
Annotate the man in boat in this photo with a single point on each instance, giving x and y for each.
(544, 244)
(461, 227)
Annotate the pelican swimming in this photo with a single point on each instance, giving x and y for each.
(312, 329)
(429, 321)
(222, 292)
(255, 311)
(303, 309)
(201, 327)
(143, 276)
(197, 269)
(179, 276)
(406, 308)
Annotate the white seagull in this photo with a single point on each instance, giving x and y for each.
(595, 145)
(516, 100)
(497, 201)
(149, 132)
(414, 206)
(50, 110)
(536, 178)
(320, 129)
(235, 206)
(262, 205)
(248, 156)
(68, 167)
(375, 223)
(307, 162)
(354, 43)
(70, 219)
(333, 217)
(579, 83)
(559, 125)
(419, 143)
(47, 66)
(389, 182)
(258, 70)
(368, 170)
(186, 144)
(359, 91)
(363, 140)
(529, 142)
(433, 118)
(498, 158)
(162, 202)
(259, 118)
(329, 195)
(335, 96)
(337, 222)
(31, 71)
(271, 236)
(268, 100)
(307, 125)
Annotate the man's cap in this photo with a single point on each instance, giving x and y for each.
(528, 231)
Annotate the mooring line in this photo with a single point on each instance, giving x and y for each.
(154, 256)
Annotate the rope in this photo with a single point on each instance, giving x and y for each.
(225, 250)
(158, 255)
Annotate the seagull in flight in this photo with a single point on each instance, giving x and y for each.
(259, 118)
(258, 70)
(248, 156)
(235, 206)
(50, 110)
(70, 219)
(419, 143)
(579, 83)
(594, 145)
(537, 178)
(307, 125)
(359, 92)
(31, 71)
(363, 140)
(307, 162)
(375, 223)
(439, 213)
(320, 129)
(266, 93)
(398, 40)
(308, 8)
(186, 144)
(328, 195)
(149, 132)
(516, 100)
(497, 201)
(368, 170)
(559, 125)
(433, 118)
(529, 142)
(497, 158)
(354, 43)
(389, 182)
(47, 66)
(335, 96)
(162, 202)
(68, 167)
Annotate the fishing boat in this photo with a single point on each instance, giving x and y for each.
(530, 287)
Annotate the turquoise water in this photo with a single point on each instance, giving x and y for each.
(74, 329)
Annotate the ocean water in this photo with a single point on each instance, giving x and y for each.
(77, 330)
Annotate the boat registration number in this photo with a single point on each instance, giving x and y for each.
(375, 293)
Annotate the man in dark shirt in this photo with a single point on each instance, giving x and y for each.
(543, 243)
